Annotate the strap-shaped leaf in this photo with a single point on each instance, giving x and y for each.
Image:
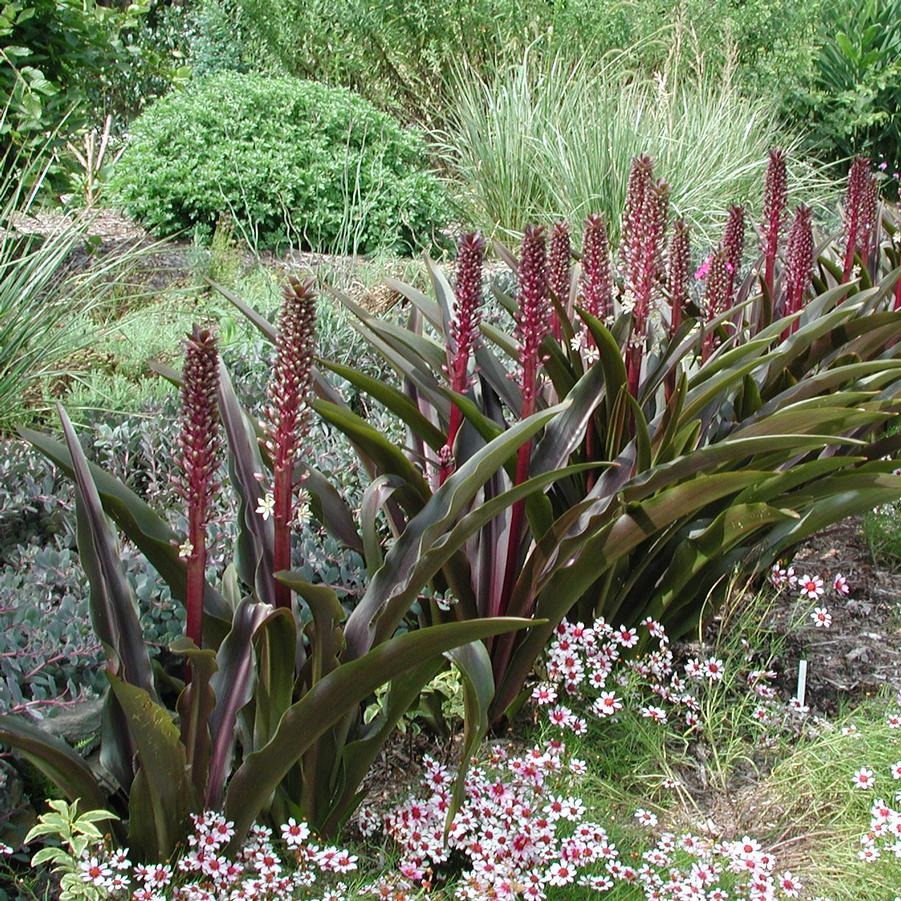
(564, 434)
(375, 497)
(330, 508)
(355, 761)
(114, 611)
(162, 795)
(474, 665)
(233, 684)
(331, 699)
(736, 523)
(253, 550)
(385, 456)
(152, 535)
(591, 553)
(325, 628)
(195, 706)
(393, 588)
(396, 401)
(275, 642)
(55, 759)
(611, 357)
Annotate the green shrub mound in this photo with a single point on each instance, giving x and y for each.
(292, 162)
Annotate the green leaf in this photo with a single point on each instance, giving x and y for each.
(233, 684)
(152, 535)
(162, 795)
(396, 401)
(55, 759)
(474, 664)
(114, 612)
(253, 551)
(387, 458)
(611, 357)
(195, 706)
(331, 699)
(391, 591)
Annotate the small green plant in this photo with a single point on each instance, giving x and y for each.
(290, 161)
(76, 833)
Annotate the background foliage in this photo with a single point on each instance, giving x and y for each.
(291, 161)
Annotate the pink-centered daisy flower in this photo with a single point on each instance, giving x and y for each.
(864, 778)
(607, 704)
(628, 638)
(821, 617)
(811, 587)
(840, 585)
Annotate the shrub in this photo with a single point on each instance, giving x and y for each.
(543, 141)
(852, 100)
(399, 53)
(291, 161)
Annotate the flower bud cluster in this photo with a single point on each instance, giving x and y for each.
(464, 329)
(775, 198)
(533, 319)
(859, 212)
(799, 261)
(733, 246)
(678, 272)
(596, 280)
(199, 440)
(289, 390)
(558, 270)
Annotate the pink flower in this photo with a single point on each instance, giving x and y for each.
(294, 833)
(811, 587)
(560, 874)
(94, 871)
(628, 638)
(821, 617)
(607, 704)
(864, 779)
(840, 585)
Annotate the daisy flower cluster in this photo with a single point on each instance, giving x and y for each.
(811, 588)
(581, 662)
(884, 835)
(523, 832)
(263, 870)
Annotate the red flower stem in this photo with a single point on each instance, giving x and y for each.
(283, 516)
(196, 575)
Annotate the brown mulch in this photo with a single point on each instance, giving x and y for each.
(860, 654)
